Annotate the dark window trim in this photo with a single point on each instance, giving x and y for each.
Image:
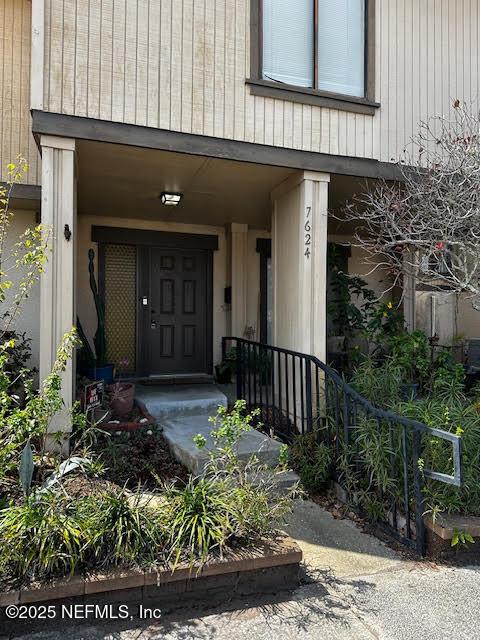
(266, 88)
(303, 95)
(171, 240)
(264, 248)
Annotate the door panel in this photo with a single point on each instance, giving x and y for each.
(178, 317)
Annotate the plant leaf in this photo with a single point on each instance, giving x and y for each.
(26, 468)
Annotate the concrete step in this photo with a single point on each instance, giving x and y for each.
(284, 481)
(179, 434)
(168, 402)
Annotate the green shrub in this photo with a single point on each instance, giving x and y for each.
(201, 518)
(57, 531)
(411, 352)
(41, 537)
(312, 459)
(378, 384)
(122, 528)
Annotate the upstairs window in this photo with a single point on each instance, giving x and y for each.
(316, 44)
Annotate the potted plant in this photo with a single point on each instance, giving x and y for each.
(226, 368)
(102, 370)
(122, 395)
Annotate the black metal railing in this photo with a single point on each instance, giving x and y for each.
(298, 394)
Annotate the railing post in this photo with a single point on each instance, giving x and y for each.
(239, 370)
(418, 492)
(224, 348)
(308, 393)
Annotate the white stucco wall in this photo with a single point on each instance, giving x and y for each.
(376, 278)
(29, 317)
(85, 304)
(468, 318)
(453, 316)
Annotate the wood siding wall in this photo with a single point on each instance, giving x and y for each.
(15, 124)
(182, 65)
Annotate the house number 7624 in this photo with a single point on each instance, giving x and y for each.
(308, 232)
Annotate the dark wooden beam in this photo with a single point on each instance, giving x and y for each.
(45, 123)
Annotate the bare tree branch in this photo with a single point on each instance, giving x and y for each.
(428, 226)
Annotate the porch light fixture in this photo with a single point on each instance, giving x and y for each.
(171, 199)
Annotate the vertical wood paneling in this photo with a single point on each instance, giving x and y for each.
(118, 61)
(239, 63)
(15, 123)
(268, 121)
(130, 79)
(297, 132)
(153, 63)
(165, 64)
(56, 56)
(219, 65)
(229, 77)
(182, 65)
(187, 66)
(142, 63)
(278, 123)
(199, 69)
(209, 70)
(80, 73)
(106, 60)
(94, 58)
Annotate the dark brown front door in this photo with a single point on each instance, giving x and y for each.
(178, 325)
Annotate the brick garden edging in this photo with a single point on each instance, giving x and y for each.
(441, 532)
(280, 559)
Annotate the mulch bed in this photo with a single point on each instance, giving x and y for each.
(140, 457)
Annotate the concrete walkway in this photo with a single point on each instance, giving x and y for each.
(354, 588)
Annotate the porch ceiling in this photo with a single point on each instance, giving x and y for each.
(125, 182)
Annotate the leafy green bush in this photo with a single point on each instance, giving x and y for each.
(380, 385)
(411, 352)
(444, 405)
(53, 533)
(42, 536)
(312, 459)
(122, 528)
(57, 531)
(201, 518)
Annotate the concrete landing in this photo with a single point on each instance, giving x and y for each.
(167, 402)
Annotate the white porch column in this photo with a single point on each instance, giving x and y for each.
(300, 226)
(239, 245)
(57, 284)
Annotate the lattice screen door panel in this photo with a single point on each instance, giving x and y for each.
(121, 306)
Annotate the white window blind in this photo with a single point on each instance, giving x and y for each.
(341, 46)
(288, 41)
